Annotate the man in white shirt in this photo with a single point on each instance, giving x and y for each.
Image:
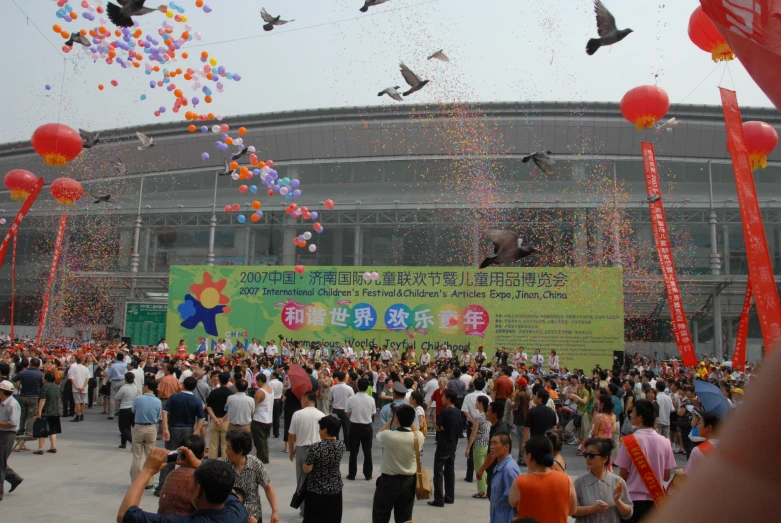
(537, 360)
(124, 398)
(665, 403)
(254, 347)
(186, 373)
(79, 377)
(239, 408)
(138, 373)
(273, 350)
(338, 396)
(466, 378)
(361, 409)
(304, 432)
(278, 388)
(221, 347)
(425, 359)
(386, 355)
(469, 408)
(163, 346)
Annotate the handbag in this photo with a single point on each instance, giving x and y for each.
(422, 476)
(627, 428)
(577, 421)
(300, 493)
(40, 428)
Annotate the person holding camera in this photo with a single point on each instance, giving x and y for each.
(175, 494)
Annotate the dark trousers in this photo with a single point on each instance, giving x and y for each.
(470, 461)
(276, 414)
(394, 494)
(642, 509)
(458, 404)
(68, 405)
(178, 435)
(126, 421)
(6, 472)
(345, 426)
(489, 473)
(360, 436)
(91, 384)
(319, 508)
(445, 476)
(260, 432)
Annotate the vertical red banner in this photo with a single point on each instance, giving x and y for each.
(759, 268)
(52, 273)
(19, 217)
(683, 339)
(739, 354)
(13, 286)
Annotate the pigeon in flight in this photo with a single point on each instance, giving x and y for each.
(606, 28)
(439, 55)
(146, 141)
(541, 160)
(392, 92)
(414, 81)
(239, 154)
(77, 38)
(227, 170)
(271, 21)
(101, 199)
(371, 3)
(121, 16)
(508, 247)
(670, 124)
(88, 139)
(652, 199)
(119, 166)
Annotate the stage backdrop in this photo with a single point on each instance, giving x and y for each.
(578, 312)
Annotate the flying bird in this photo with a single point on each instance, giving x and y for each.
(100, 199)
(77, 38)
(146, 141)
(508, 247)
(88, 139)
(121, 16)
(414, 81)
(239, 153)
(119, 166)
(227, 170)
(606, 28)
(439, 55)
(542, 160)
(670, 124)
(652, 199)
(371, 3)
(271, 21)
(392, 92)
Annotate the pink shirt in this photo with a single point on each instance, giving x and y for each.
(657, 450)
(695, 457)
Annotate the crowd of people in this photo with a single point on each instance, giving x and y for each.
(216, 411)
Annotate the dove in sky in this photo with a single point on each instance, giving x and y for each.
(652, 199)
(119, 166)
(146, 141)
(271, 21)
(101, 199)
(414, 81)
(239, 153)
(88, 139)
(439, 55)
(393, 92)
(508, 247)
(121, 16)
(371, 3)
(669, 125)
(227, 170)
(606, 28)
(77, 38)
(541, 160)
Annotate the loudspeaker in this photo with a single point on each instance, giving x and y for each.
(618, 359)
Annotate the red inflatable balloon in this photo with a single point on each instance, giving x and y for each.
(66, 191)
(703, 33)
(56, 143)
(645, 105)
(21, 183)
(761, 139)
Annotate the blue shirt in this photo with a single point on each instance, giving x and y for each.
(147, 409)
(117, 371)
(385, 412)
(501, 482)
(233, 512)
(184, 409)
(31, 381)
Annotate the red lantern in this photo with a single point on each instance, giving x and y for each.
(21, 183)
(761, 139)
(703, 33)
(66, 191)
(645, 105)
(56, 143)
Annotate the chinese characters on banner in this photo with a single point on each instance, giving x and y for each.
(759, 268)
(662, 239)
(19, 217)
(55, 261)
(739, 355)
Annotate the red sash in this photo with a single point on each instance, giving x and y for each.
(647, 474)
(705, 447)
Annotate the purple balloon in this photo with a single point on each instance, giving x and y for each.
(207, 9)
(204, 129)
(205, 156)
(236, 76)
(296, 193)
(295, 182)
(314, 215)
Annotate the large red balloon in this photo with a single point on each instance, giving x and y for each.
(761, 139)
(66, 191)
(56, 143)
(21, 183)
(645, 105)
(703, 33)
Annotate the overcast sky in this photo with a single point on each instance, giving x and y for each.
(333, 56)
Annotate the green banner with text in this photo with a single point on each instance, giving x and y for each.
(576, 311)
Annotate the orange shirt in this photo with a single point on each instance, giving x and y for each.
(553, 488)
(503, 388)
(552, 393)
(168, 386)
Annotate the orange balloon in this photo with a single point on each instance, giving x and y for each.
(244, 170)
(100, 86)
(242, 131)
(102, 30)
(65, 34)
(204, 54)
(191, 128)
(210, 116)
(234, 165)
(209, 76)
(185, 35)
(256, 205)
(92, 32)
(185, 55)
(207, 99)
(136, 64)
(261, 164)
(254, 218)
(198, 3)
(73, 16)
(178, 93)
(156, 68)
(229, 140)
(57, 28)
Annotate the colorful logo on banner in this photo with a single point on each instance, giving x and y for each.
(759, 268)
(739, 354)
(663, 248)
(578, 312)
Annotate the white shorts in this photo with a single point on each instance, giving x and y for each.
(79, 398)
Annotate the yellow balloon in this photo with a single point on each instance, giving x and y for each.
(169, 14)
(184, 18)
(213, 61)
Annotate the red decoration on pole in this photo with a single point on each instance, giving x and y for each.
(13, 286)
(21, 183)
(759, 268)
(761, 139)
(663, 248)
(645, 105)
(703, 33)
(739, 354)
(56, 143)
(66, 191)
(52, 273)
(18, 220)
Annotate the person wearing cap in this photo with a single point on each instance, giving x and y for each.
(399, 392)
(10, 416)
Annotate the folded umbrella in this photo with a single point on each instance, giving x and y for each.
(711, 398)
(299, 381)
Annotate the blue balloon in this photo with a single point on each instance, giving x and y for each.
(253, 189)
(289, 196)
(143, 97)
(240, 218)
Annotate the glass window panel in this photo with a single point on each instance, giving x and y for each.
(367, 172)
(400, 171)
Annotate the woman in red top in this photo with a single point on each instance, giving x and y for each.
(436, 398)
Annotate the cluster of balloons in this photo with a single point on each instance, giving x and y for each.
(301, 239)
(370, 276)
